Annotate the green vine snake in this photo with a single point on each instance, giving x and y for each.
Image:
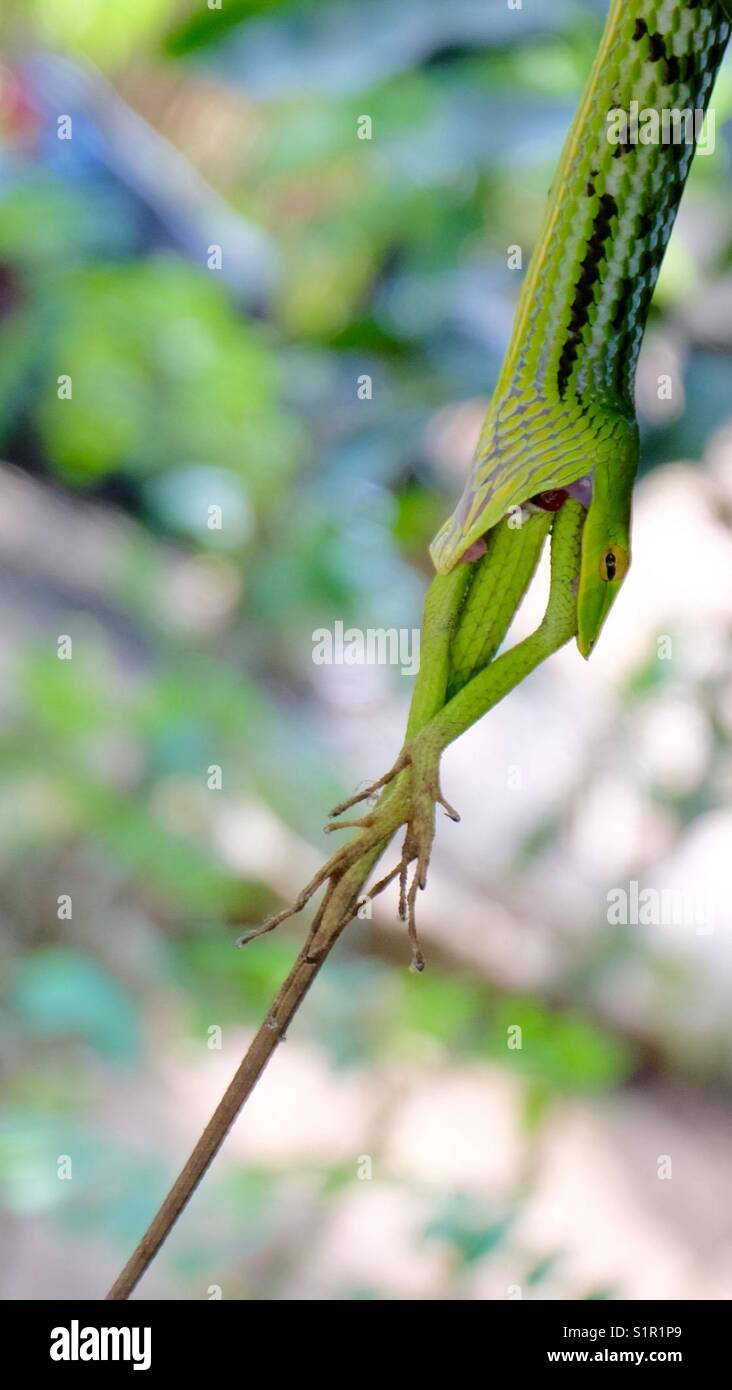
(558, 452)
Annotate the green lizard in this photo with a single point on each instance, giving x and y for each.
(558, 452)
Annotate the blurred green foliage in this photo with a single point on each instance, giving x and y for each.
(164, 370)
(61, 994)
(392, 262)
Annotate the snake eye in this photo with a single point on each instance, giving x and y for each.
(614, 564)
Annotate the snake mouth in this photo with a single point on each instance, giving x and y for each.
(551, 500)
(581, 491)
(474, 551)
(554, 498)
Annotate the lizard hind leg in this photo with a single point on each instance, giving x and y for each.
(491, 684)
(410, 791)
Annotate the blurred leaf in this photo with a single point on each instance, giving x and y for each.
(243, 983)
(60, 993)
(105, 33)
(250, 1191)
(207, 26)
(465, 1226)
(39, 216)
(164, 373)
(561, 1049)
(542, 1269)
(186, 876)
(28, 1173)
(446, 1008)
(66, 697)
(325, 45)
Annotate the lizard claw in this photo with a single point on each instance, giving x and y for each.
(412, 805)
(364, 823)
(371, 789)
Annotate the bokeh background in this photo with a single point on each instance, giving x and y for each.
(397, 1147)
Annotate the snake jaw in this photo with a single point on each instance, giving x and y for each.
(474, 551)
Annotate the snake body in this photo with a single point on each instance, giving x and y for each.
(563, 405)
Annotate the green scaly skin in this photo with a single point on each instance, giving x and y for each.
(499, 583)
(559, 624)
(563, 407)
(565, 392)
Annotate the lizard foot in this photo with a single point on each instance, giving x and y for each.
(423, 793)
(407, 800)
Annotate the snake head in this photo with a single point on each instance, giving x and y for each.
(605, 542)
(598, 592)
(522, 453)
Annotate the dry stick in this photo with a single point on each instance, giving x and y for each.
(442, 605)
(333, 916)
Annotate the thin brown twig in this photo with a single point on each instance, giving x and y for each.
(334, 914)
